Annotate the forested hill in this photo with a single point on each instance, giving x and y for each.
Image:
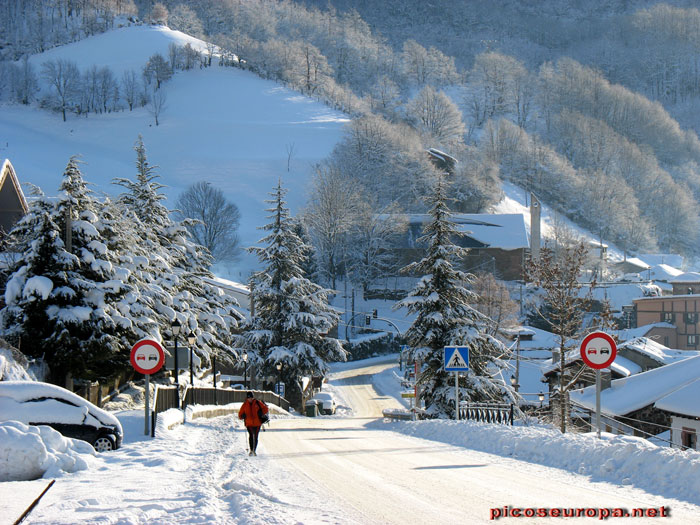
(591, 105)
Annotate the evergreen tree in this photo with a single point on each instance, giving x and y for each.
(292, 316)
(60, 298)
(444, 318)
(172, 270)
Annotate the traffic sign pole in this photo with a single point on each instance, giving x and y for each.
(457, 396)
(598, 351)
(147, 357)
(597, 401)
(147, 405)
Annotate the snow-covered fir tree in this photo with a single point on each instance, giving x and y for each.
(292, 315)
(60, 299)
(441, 302)
(172, 270)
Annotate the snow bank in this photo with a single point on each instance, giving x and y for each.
(29, 452)
(618, 459)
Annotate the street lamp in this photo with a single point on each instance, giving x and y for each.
(279, 394)
(191, 340)
(245, 370)
(514, 383)
(541, 396)
(175, 327)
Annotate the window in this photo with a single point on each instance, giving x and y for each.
(691, 317)
(667, 341)
(667, 317)
(689, 438)
(692, 340)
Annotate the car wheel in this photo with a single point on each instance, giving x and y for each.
(103, 444)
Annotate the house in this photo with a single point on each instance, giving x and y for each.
(682, 405)
(681, 310)
(498, 243)
(13, 205)
(646, 401)
(635, 356)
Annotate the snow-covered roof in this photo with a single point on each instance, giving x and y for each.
(632, 393)
(628, 334)
(671, 259)
(683, 400)
(664, 272)
(687, 277)
(625, 367)
(497, 230)
(637, 263)
(655, 351)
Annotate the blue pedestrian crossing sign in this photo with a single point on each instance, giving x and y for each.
(456, 358)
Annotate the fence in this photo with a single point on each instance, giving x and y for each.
(165, 397)
(487, 412)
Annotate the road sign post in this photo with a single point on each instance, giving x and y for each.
(456, 359)
(598, 351)
(147, 357)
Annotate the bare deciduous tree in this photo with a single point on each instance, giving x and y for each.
(64, 77)
(215, 219)
(562, 308)
(156, 104)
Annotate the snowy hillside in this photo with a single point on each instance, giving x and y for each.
(221, 125)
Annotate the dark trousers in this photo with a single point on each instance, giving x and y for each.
(253, 437)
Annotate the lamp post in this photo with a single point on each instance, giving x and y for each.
(245, 370)
(279, 395)
(191, 340)
(541, 396)
(175, 327)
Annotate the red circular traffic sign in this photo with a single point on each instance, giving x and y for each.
(147, 356)
(598, 350)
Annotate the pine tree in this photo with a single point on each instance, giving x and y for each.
(441, 302)
(60, 298)
(174, 277)
(292, 316)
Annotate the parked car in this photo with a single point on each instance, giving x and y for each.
(326, 403)
(36, 403)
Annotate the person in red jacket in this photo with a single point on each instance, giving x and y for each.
(251, 412)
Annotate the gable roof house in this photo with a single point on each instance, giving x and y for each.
(647, 402)
(13, 205)
(498, 243)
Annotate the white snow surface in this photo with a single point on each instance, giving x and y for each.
(29, 452)
(222, 125)
(198, 472)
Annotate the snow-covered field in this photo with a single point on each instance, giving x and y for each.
(199, 472)
(222, 125)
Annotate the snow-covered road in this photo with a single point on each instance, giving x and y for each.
(351, 468)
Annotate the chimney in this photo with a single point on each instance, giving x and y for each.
(535, 212)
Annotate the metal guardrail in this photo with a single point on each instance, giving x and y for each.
(488, 412)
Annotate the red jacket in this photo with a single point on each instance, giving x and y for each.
(249, 412)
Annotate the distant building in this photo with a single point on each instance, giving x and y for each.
(443, 161)
(13, 205)
(681, 310)
(498, 243)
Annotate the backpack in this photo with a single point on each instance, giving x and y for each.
(264, 417)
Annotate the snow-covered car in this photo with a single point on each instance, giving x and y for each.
(326, 403)
(36, 403)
